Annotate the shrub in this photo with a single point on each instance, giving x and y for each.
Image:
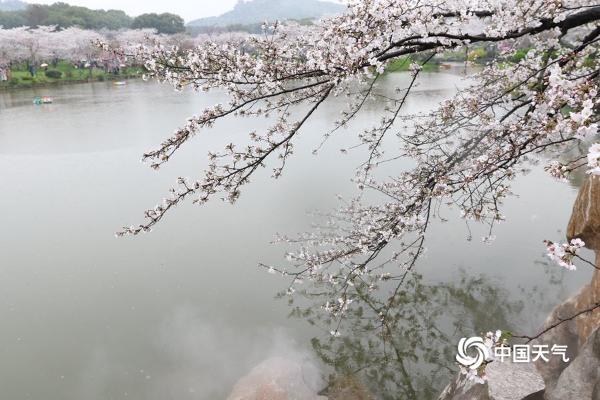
(477, 54)
(519, 55)
(53, 74)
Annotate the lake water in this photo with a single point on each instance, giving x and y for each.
(184, 312)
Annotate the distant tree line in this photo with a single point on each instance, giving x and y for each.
(164, 23)
(64, 15)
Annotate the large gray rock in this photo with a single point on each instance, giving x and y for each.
(463, 389)
(581, 379)
(278, 379)
(584, 224)
(506, 381)
(585, 218)
(566, 334)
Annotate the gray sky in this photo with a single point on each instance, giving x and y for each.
(188, 9)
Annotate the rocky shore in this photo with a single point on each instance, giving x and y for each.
(574, 323)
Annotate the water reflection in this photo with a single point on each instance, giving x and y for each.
(399, 341)
(400, 347)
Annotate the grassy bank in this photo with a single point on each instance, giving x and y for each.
(475, 54)
(64, 72)
(403, 64)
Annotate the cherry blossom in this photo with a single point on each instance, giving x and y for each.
(45, 43)
(563, 254)
(465, 154)
(593, 158)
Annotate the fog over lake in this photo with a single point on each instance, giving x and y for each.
(184, 312)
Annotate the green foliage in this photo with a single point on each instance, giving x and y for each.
(163, 23)
(519, 55)
(36, 14)
(478, 53)
(64, 15)
(402, 65)
(12, 19)
(399, 347)
(53, 74)
(65, 71)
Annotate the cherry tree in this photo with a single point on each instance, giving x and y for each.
(25, 44)
(222, 37)
(129, 39)
(45, 43)
(465, 153)
(78, 44)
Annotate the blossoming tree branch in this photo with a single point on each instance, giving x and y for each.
(466, 152)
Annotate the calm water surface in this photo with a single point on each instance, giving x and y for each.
(183, 312)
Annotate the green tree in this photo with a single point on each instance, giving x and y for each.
(64, 15)
(12, 19)
(163, 23)
(36, 14)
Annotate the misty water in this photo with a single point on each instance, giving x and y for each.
(184, 312)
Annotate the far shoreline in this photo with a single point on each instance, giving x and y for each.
(21, 86)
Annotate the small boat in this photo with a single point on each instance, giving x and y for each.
(119, 83)
(42, 100)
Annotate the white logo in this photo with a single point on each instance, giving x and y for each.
(476, 343)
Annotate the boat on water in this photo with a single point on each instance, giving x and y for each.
(119, 83)
(42, 100)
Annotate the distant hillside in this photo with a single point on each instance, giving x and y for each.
(12, 5)
(256, 11)
(63, 15)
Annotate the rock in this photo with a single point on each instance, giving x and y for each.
(564, 334)
(535, 396)
(573, 333)
(506, 381)
(584, 224)
(581, 379)
(463, 389)
(586, 299)
(585, 218)
(277, 379)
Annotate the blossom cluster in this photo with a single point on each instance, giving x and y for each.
(563, 254)
(593, 158)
